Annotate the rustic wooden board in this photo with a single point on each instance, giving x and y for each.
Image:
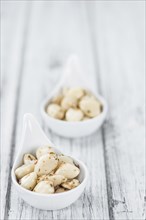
(37, 37)
(13, 26)
(119, 51)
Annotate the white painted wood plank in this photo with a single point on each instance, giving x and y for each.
(118, 34)
(55, 31)
(12, 40)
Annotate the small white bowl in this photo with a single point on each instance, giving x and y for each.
(32, 138)
(74, 129)
(74, 76)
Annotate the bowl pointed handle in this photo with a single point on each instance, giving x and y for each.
(32, 134)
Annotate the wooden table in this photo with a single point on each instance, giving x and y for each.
(108, 36)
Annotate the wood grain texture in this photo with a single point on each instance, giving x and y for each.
(119, 51)
(13, 25)
(37, 37)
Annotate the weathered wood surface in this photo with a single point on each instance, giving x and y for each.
(37, 37)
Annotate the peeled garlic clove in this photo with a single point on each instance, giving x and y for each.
(68, 170)
(46, 164)
(68, 102)
(55, 111)
(29, 181)
(57, 99)
(44, 150)
(74, 115)
(24, 170)
(29, 158)
(45, 187)
(71, 184)
(60, 190)
(56, 179)
(76, 92)
(90, 106)
(65, 159)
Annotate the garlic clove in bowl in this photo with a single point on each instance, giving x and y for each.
(74, 129)
(32, 138)
(72, 124)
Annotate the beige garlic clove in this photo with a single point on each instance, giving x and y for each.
(57, 99)
(55, 111)
(68, 102)
(90, 106)
(44, 150)
(76, 92)
(65, 159)
(24, 170)
(56, 179)
(29, 181)
(46, 164)
(74, 115)
(45, 187)
(29, 158)
(68, 170)
(70, 184)
(60, 190)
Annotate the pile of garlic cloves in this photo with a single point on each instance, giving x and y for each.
(74, 104)
(47, 172)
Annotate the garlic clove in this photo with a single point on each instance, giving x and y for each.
(29, 158)
(55, 111)
(29, 181)
(74, 115)
(90, 106)
(56, 179)
(76, 92)
(68, 102)
(44, 150)
(65, 159)
(45, 187)
(68, 170)
(46, 164)
(24, 170)
(70, 184)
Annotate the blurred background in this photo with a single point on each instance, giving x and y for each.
(109, 37)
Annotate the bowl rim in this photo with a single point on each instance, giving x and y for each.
(31, 193)
(98, 117)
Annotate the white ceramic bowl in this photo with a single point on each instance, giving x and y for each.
(32, 138)
(74, 76)
(74, 129)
